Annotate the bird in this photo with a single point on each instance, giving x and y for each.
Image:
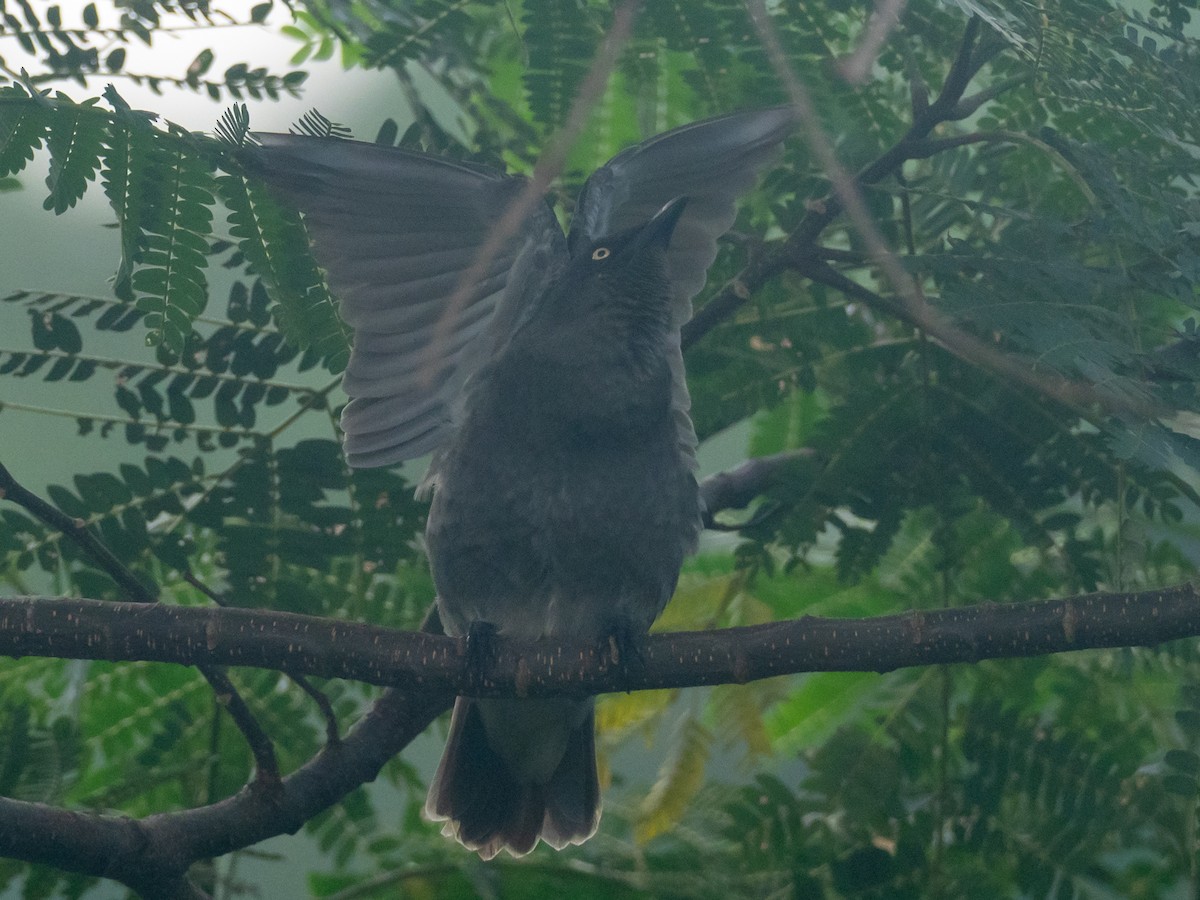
(548, 383)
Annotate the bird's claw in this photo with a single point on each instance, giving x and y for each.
(625, 646)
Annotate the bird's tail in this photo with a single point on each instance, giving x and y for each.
(514, 771)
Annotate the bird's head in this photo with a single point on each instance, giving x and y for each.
(625, 256)
(622, 279)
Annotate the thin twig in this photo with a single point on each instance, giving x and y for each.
(203, 588)
(1075, 395)
(77, 531)
(883, 21)
(909, 303)
(735, 488)
(306, 404)
(112, 363)
(266, 764)
(932, 146)
(57, 300)
(332, 731)
(967, 106)
(151, 425)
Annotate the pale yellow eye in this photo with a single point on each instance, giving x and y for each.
(601, 253)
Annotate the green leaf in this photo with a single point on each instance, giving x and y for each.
(169, 283)
(560, 38)
(75, 141)
(23, 128)
(679, 778)
(1184, 761)
(1181, 785)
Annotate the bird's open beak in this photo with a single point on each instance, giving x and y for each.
(658, 231)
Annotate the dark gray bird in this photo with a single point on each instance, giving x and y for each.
(564, 499)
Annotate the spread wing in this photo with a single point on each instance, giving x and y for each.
(712, 163)
(396, 233)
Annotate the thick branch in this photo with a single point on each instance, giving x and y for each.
(152, 854)
(426, 664)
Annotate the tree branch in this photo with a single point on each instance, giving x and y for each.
(332, 732)
(425, 663)
(152, 855)
(846, 189)
(800, 252)
(76, 530)
(1072, 394)
(736, 487)
(856, 66)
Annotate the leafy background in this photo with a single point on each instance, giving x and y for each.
(1064, 228)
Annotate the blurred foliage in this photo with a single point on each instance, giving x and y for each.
(1063, 226)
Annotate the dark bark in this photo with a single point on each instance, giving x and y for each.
(152, 855)
(434, 664)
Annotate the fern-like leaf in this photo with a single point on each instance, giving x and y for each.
(132, 182)
(313, 124)
(680, 777)
(23, 127)
(233, 127)
(170, 284)
(75, 141)
(276, 247)
(561, 38)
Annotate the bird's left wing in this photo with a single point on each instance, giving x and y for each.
(711, 162)
(398, 233)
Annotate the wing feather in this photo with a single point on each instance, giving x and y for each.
(397, 232)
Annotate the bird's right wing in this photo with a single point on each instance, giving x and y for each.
(397, 234)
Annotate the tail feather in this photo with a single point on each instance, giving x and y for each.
(487, 807)
(573, 802)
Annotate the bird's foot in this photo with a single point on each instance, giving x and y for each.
(625, 646)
